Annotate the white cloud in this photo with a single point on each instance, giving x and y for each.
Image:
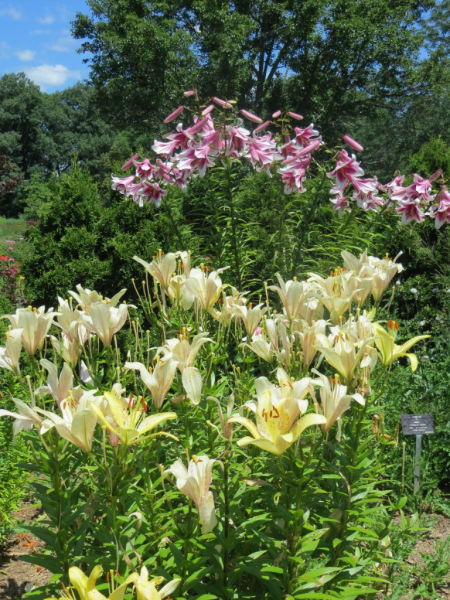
(26, 55)
(51, 75)
(63, 44)
(4, 50)
(11, 12)
(46, 20)
(41, 32)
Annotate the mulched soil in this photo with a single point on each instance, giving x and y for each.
(16, 576)
(439, 531)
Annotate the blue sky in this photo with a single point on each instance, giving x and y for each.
(35, 38)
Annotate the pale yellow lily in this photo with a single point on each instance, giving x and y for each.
(127, 419)
(10, 354)
(334, 401)
(309, 340)
(250, 316)
(388, 350)
(25, 418)
(344, 357)
(35, 323)
(203, 287)
(183, 352)
(69, 319)
(69, 349)
(277, 410)
(87, 297)
(58, 387)
(78, 420)
(105, 320)
(146, 588)
(85, 586)
(162, 268)
(294, 296)
(195, 482)
(192, 383)
(158, 380)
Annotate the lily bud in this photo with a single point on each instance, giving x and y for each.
(295, 115)
(250, 116)
(352, 143)
(222, 103)
(261, 127)
(174, 114)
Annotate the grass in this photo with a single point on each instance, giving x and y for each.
(12, 229)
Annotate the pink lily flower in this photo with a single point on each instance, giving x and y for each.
(365, 186)
(176, 140)
(292, 175)
(340, 202)
(144, 169)
(236, 139)
(295, 115)
(152, 192)
(276, 114)
(191, 93)
(195, 158)
(368, 201)
(346, 170)
(121, 184)
(303, 152)
(199, 125)
(411, 210)
(442, 213)
(304, 136)
(263, 151)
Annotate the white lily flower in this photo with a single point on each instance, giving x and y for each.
(162, 269)
(87, 297)
(78, 420)
(183, 352)
(60, 387)
(10, 354)
(293, 295)
(35, 324)
(25, 418)
(250, 316)
(105, 320)
(192, 383)
(195, 482)
(334, 401)
(69, 320)
(157, 381)
(203, 288)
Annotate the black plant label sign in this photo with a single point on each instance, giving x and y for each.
(417, 424)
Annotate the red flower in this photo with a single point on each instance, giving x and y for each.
(3, 257)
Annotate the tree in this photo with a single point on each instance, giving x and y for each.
(9, 180)
(43, 133)
(328, 58)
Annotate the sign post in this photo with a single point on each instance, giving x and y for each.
(417, 425)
